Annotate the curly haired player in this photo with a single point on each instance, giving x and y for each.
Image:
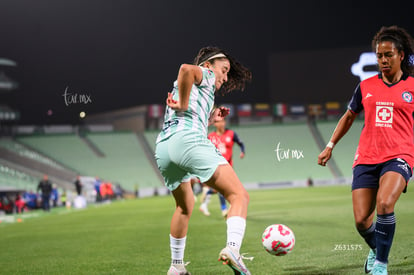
(385, 155)
(183, 151)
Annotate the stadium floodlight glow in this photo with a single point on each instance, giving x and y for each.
(7, 62)
(365, 59)
(6, 84)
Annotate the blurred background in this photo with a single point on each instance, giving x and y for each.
(83, 85)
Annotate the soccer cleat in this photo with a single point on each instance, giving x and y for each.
(379, 269)
(178, 269)
(369, 263)
(204, 209)
(234, 260)
(224, 213)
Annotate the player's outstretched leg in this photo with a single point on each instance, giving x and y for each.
(226, 182)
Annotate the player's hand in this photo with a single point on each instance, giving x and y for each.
(220, 113)
(324, 156)
(173, 104)
(241, 155)
(224, 111)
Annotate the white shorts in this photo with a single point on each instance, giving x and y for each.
(184, 155)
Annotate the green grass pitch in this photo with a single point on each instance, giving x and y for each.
(132, 237)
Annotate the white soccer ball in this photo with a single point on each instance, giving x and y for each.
(278, 239)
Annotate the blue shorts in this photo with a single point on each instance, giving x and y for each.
(185, 155)
(368, 175)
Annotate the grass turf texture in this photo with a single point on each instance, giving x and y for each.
(132, 237)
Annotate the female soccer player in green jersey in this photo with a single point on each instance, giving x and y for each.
(183, 151)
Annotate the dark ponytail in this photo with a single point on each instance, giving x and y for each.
(238, 75)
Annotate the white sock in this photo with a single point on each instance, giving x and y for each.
(235, 231)
(177, 249)
(208, 199)
(204, 193)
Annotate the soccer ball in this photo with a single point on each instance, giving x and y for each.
(278, 239)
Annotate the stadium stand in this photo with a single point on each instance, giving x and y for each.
(22, 150)
(277, 153)
(24, 160)
(12, 179)
(345, 150)
(122, 159)
(129, 158)
(151, 137)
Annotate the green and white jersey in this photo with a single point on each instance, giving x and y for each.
(195, 119)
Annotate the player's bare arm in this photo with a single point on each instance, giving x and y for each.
(187, 76)
(344, 124)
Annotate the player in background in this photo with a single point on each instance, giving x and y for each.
(196, 185)
(224, 140)
(385, 154)
(183, 151)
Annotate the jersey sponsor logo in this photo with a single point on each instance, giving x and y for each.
(384, 115)
(169, 123)
(407, 96)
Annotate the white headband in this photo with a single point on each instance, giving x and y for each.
(212, 57)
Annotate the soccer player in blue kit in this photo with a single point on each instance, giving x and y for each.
(183, 151)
